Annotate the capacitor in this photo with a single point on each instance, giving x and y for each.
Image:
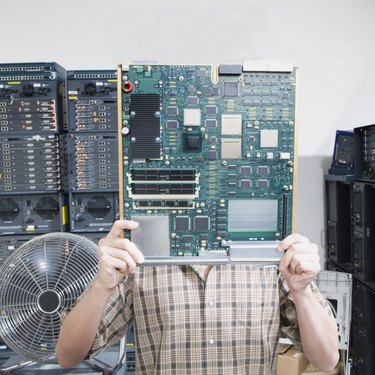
(125, 130)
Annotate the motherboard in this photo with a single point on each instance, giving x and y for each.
(207, 156)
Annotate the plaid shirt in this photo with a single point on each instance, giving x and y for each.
(185, 323)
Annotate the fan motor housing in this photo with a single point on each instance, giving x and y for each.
(49, 301)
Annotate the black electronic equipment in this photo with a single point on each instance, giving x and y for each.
(364, 162)
(8, 244)
(30, 163)
(33, 213)
(93, 212)
(363, 230)
(363, 329)
(93, 162)
(338, 222)
(92, 100)
(342, 167)
(31, 98)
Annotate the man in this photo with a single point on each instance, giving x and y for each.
(201, 319)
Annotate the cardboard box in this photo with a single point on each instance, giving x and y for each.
(291, 361)
(311, 370)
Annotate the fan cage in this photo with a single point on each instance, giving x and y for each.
(38, 281)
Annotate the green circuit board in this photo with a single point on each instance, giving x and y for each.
(207, 154)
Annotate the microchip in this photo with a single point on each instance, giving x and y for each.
(245, 184)
(230, 69)
(262, 183)
(172, 124)
(231, 124)
(215, 91)
(202, 73)
(211, 123)
(172, 111)
(251, 140)
(231, 148)
(143, 203)
(261, 170)
(212, 155)
(269, 138)
(192, 142)
(207, 91)
(201, 223)
(211, 109)
(230, 89)
(245, 170)
(192, 116)
(213, 140)
(182, 223)
(188, 238)
(193, 100)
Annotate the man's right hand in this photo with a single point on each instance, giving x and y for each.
(117, 256)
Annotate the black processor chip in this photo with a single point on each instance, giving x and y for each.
(182, 223)
(230, 89)
(201, 223)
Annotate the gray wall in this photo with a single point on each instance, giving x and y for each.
(332, 41)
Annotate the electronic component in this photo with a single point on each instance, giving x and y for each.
(192, 117)
(364, 153)
(363, 235)
(338, 214)
(362, 329)
(92, 100)
(230, 88)
(231, 148)
(215, 163)
(8, 244)
(31, 163)
(269, 138)
(33, 213)
(145, 126)
(231, 124)
(152, 235)
(93, 161)
(93, 212)
(230, 69)
(31, 98)
(342, 166)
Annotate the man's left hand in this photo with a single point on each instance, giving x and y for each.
(300, 262)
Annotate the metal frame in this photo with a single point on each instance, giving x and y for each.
(338, 286)
(94, 363)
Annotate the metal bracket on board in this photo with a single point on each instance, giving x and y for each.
(253, 252)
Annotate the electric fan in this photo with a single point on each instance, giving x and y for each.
(40, 279)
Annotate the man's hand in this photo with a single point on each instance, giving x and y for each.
(300, 262)
(117, 256)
